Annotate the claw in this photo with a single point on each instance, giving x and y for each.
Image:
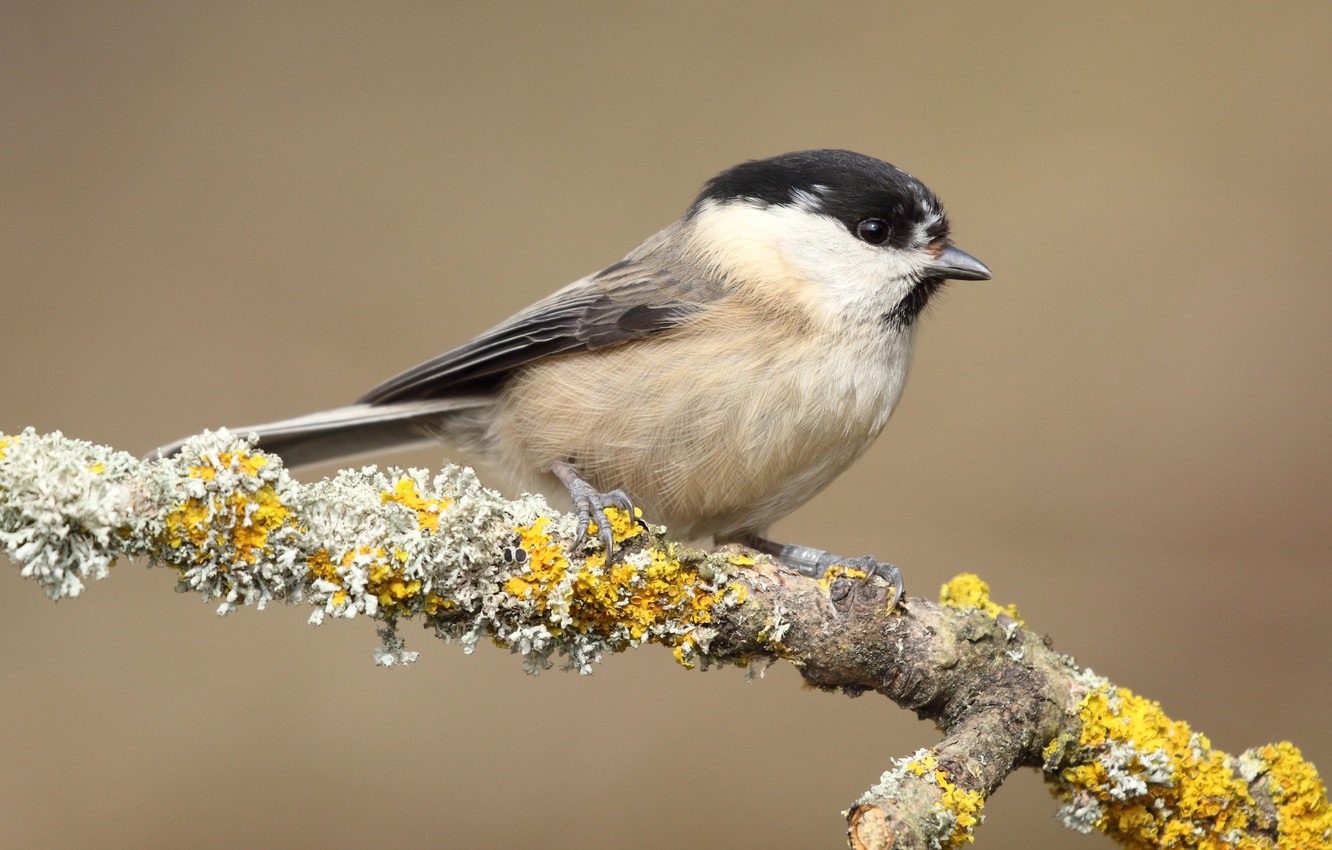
(591, 502)
(815, 562)
(596, 504)
(875, 568)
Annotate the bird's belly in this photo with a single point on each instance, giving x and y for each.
(708, 446)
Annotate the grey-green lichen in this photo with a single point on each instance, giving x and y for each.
(394, 545)
(1149, 780)
(957, 811)
(67, 509)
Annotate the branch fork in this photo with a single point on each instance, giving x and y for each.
(401, 545)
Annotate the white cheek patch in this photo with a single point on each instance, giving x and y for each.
(740, 241)
(783, 242)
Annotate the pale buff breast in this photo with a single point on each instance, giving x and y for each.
(711, 430)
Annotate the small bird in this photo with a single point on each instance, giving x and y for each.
(720, 375)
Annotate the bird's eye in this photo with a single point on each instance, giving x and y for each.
(873, 230)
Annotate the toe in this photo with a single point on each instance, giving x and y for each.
(584, 520)
(606, 534)
(888, 572)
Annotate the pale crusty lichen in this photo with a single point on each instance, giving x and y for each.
(393, 545)
(956, 814)
(68, 509)
(400, 545)
(648, 596)
(1152, 782)
(229, 526)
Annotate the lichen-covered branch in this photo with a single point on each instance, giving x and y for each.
(400, 545)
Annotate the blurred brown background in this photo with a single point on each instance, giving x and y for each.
(225, 213)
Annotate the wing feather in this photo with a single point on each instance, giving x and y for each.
(630, 300)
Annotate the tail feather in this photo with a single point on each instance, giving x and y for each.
(352, 430)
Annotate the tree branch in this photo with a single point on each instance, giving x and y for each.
(398, 545)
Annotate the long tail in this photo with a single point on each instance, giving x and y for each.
(352, 430)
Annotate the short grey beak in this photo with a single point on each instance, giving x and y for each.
(956, 264)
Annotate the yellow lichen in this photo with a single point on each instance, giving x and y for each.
(321, 566)
(188, 522)
(622, 595)
(385, 579)
(1159, 784)
(623, 526)
(837, 571)
(962, 804)
(1050, 750)
(683, 651)
(603, 599)
(968, 591)
(5, 442)
(243, 462)
(546, 564)
(268, 513)
(243, 520)
(1304, 816)
(1053, 752)
(434, 604)
(405, 493)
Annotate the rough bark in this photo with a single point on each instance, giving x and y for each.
(400, 546)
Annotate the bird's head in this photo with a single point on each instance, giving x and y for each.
(843, 231)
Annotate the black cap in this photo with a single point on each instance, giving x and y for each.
(844, 185)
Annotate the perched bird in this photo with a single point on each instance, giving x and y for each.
(721, 374)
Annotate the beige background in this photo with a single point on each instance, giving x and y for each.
(224, 213)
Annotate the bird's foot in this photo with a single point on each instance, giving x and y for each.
(592, 506)
(816, 563)
(872, 569)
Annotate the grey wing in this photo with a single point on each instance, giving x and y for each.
(629, 300)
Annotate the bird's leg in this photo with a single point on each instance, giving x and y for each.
(590, 501)
(815, 562)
